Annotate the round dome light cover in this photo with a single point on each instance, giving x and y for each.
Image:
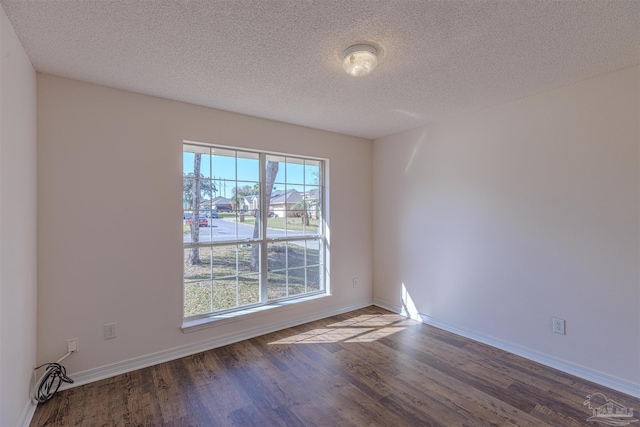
(360, 60)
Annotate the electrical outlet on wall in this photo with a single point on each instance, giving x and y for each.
(558, 325)
(109, 331)
(72, 345)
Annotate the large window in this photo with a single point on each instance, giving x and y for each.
(253, 229)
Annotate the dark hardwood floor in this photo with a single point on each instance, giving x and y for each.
(364, 368)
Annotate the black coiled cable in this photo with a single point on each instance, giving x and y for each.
(51, 381)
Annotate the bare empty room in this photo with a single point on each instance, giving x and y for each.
(319, 213)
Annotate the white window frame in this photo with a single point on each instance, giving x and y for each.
(263, 240)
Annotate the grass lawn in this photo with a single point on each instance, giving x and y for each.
(292, 223)
(224, 278)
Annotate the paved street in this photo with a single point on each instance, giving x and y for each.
(222, 230)
(219, 229)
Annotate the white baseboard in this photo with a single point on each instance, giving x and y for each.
(588, 374)
(27, 414)
(389, 307)
(91, 375)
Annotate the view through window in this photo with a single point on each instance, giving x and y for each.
(252, 227)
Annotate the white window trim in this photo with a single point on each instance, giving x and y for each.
(245, 314)
(194, 323)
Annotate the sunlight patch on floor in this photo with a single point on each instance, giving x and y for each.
(376, 335)
(360, 329)
(323, 335)
(370, 320)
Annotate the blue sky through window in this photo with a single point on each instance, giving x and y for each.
(221, 166)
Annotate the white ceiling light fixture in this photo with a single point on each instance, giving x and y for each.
(360, 60)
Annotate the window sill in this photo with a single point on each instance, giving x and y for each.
(223, 319)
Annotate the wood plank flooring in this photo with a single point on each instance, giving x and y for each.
(369, 367)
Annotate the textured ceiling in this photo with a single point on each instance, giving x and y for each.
(281, 59)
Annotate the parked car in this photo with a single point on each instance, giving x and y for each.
(202, 221)
(222, 208)
(214, 214)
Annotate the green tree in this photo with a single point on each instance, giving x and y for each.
(240, 193)
(207, 187)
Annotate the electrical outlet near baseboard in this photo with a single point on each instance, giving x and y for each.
(72, 345)
(558, 325)
(109, 331)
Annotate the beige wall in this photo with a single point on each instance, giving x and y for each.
(17, 226)
(520, 213)
(109, 236)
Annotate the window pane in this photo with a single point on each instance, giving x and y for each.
(206, 192)
(224, 261)
(295, 171)
(244, 258)
(189, 157)
(295, 223)
(223, 164)
(277, 285)
(276, 224)
(253, 201)
(277, 256)
(197, 298)
(280, 177)
(294, 200)
(313, 252)
(295, 192)
(254, 221)
(197, 264)
(224, 294)
(206, 208)
(195, 230)
(296, 282)
(312, 172)
(295, 254)
(221, 229)
(204, 231)
(187, 164)
(313, 279)
(248, 166)
(223, 192)
(311, 224)
(187, 193)
(245, 210)
(249, 289)
(246, 195)
(247, 226)
(312, 195)
(189, 186)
